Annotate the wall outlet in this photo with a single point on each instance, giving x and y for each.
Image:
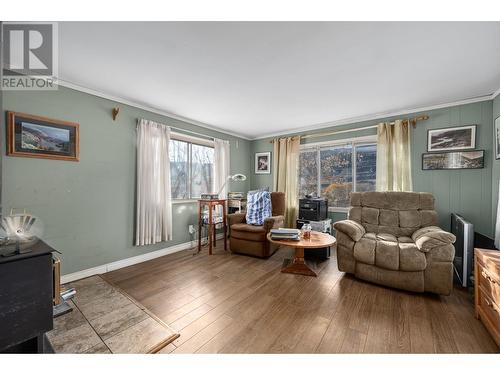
(191, 229)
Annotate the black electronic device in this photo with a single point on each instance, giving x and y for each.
(314, 209)
(464, 250)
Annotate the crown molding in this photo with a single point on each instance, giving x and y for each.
(377, 116)
(302, 129)
(495, 94)
(157, 111)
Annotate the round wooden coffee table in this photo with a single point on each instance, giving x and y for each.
(299, 265)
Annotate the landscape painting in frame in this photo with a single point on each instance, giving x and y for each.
(40, 137)
(450, 139)
(263, 163)
(453, 160)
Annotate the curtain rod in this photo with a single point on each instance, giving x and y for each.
(413, 121)
(183, 130)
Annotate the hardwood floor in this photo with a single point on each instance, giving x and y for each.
(228, 303)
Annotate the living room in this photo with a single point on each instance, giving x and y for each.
(251, 187)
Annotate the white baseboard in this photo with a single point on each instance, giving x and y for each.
(129, 261)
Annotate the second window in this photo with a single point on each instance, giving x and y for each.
(334, 170)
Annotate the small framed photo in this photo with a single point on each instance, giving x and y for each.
(40, 137)
(262, 162)
(453, 160)
(497, 138)
(451, 139)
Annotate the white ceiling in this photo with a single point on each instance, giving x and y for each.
(254, 79)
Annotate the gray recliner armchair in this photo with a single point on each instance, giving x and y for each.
(393, 239)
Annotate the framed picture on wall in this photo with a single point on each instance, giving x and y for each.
(263, 162)
(40, 137)
(497, 138)
(450, 139)
(453, 160)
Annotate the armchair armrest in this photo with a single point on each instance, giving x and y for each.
(274, 222)
(428, 238)
(237, 218)
(350, 227)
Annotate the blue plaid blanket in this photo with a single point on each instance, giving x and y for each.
(258, 207)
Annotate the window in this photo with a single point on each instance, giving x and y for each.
(179, 169)
(366, 167)
(336, 174)
(308, 171)
(334, 170)
(191, 168)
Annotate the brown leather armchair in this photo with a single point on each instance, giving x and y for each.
(252, 239)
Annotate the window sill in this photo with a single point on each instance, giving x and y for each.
(184, 201)
(343, 210)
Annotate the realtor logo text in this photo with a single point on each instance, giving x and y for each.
(29, 56)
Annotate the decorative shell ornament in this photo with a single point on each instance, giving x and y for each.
(19, 232)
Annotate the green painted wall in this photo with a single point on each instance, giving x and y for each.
(88, 207)
(468, 192)
(496, 163)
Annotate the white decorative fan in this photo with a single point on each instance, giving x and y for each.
(19, 231)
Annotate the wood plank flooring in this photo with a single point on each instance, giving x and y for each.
(228, 303)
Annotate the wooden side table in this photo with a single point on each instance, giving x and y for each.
(212, 233)
(487, 290)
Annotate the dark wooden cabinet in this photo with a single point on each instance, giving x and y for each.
(26, 299)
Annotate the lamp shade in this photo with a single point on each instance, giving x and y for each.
(238, 177)
(235, 177)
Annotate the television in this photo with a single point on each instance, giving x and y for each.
(464, 250)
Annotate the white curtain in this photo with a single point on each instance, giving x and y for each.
(221, 166)
(394, 157)
(154, 206)
(286, 174)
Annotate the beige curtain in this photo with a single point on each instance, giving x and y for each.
(286, 168)
(394, 157)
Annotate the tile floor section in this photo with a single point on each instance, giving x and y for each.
(104, 320)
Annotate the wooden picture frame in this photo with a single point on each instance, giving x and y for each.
(263, 162)
(33, 136)
(453, 160)
(451, 139)
(497, 137)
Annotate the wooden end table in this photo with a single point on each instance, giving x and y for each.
(212, 233)
(298, 265)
